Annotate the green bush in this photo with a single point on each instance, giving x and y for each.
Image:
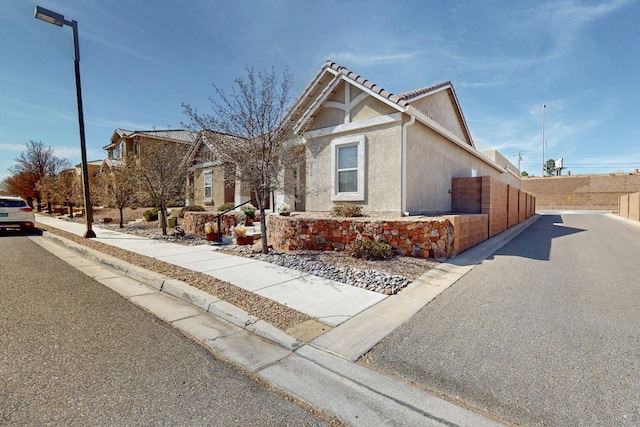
(370, 249)
(225, 206)
(151, 214)
(347, 209)
(191, 208)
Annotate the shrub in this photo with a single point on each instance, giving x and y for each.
(370, 250)
(191, 208)
(151, 214)
(347, 209)
(225, 206)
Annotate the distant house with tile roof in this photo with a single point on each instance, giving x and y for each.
(388, 153)
(128, 142)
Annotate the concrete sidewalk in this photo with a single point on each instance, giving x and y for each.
(326, 300)
(321, 372)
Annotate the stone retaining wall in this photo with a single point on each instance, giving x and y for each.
(193, 222)
(417, 237)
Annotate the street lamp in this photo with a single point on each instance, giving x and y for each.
(57, 19)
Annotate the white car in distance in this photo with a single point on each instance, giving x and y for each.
(16, 213)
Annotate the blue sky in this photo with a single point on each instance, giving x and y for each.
(140, 60)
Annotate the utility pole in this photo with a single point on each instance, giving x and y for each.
(543, 168)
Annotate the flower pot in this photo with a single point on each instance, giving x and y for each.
(247, 240)
(285, 213)
(212, 236)
(248, 219)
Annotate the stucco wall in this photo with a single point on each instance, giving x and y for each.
(217, 186)
(432, 161)
(382, 168)
(439, 107)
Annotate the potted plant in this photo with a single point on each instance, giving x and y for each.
(211, 231)
(249, 213)
(241, 236)
(284, 210)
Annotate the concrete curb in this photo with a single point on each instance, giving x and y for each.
(184, 292)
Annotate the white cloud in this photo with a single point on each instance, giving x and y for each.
(370, 59)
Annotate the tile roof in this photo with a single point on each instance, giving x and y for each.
(402, 101)
(366, 83)
(407, 96)
(179, 135)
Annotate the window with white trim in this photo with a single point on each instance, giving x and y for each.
(208, 179)
(347, 165)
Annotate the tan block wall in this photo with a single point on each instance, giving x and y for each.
(494, 203)
(513, 203)
(597, 192)
(466, 196)
(634, 206)
(623, 206)
(505, 206)
(469, 230)
(522, 206)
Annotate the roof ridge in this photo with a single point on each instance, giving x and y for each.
(366, 83)
(423, 90)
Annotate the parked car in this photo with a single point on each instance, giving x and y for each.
(15, 212)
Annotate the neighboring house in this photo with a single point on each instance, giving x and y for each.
(389, 153)
(210, 183)
(129, 142)
(135, 143)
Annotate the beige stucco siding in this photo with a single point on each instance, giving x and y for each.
(382, 169)
(369, 108)
(439, 107)
(217, 184)
(432, 161)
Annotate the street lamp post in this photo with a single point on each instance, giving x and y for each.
(57, 19)
(543, 168)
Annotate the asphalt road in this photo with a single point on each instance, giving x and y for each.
(72, 352)
(544, 332)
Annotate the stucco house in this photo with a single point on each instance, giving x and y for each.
(392, 154)
(130, 142)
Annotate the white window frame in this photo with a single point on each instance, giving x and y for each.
(205, 186)
(336, 144)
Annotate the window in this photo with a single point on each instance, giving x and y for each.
(347, 164)
(207, 186)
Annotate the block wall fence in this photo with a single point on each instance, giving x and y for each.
(629, 206)
(504, 205)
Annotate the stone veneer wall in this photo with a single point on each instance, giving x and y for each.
(416, 237)
(193, 222)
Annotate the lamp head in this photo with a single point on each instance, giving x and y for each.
(49, 16)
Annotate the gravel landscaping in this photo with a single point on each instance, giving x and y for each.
(386, 276)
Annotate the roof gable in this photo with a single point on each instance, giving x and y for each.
(448, 119)
(181, 136)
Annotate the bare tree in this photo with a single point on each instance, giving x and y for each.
(162, 174)
(47, 188)
(22, 184)
(252, 128)
(68, 190)
(119, 186)
(40, 161)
